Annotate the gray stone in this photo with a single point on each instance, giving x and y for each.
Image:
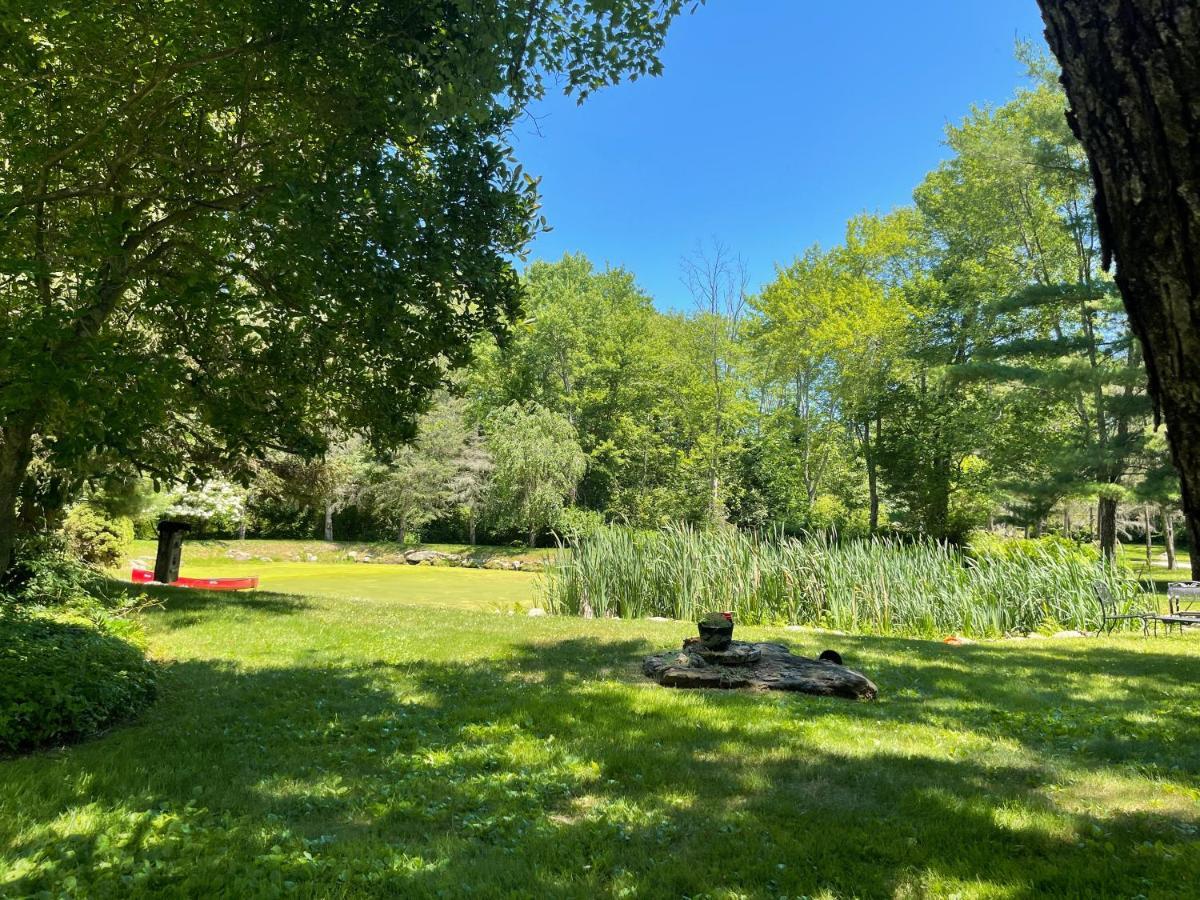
(537, 611)
(764, 666)
(416, 557)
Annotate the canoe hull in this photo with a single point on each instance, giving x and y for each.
(145, 576)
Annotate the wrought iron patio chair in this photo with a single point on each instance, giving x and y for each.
(1109, 617)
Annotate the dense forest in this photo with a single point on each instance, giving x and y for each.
(956, 363)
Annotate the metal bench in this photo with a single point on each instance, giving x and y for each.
(1182, 599)
(1182, 596)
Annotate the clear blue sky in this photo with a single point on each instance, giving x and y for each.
(775, 122)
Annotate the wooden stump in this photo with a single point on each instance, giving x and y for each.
(764, 666)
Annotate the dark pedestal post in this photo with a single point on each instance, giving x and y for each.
(170, 547)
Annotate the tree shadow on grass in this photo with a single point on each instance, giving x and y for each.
(552, 769)
(182, 607)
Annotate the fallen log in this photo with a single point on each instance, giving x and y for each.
(763, 666)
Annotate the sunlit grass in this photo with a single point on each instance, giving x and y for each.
(377, 743)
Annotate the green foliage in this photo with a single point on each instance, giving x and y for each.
(878, 585)
(63, 677)
(189, 193)
(46, 574)
(95, 538)
(984, 547)
(538, 462)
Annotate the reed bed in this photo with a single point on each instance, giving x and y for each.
(881, 586)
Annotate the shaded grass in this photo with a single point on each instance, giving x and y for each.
(322, 746)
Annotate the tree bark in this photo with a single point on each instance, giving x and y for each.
(328, 521)
(1131, 70)
(1168, 520)
(1149, 534)
(868, 451)
(532, 536)
(471, 531)
(1106, 515)
(16, 452)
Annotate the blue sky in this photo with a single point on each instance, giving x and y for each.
(775, 122)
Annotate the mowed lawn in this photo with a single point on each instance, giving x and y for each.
(412, 586)
(383, 731)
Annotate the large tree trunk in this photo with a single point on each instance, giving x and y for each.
(1107, 516)
(1131, 69)
(328, 521)
(1149, 535)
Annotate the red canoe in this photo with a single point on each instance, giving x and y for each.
(144, 576)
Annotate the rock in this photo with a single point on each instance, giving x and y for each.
(537, 611)
(765, 666)
(796, 628)
(1034, 636)
(657, 619)
(239, 555)
(1070, 634)
(311, 557)
(416, 557)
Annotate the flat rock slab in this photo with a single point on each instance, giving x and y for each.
(764, 666)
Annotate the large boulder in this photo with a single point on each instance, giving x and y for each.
(764, 666)
(416, 557)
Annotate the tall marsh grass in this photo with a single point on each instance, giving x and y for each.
(881, 586)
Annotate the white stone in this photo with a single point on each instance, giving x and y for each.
(1070, 634)
(536, 611)
(657, 619)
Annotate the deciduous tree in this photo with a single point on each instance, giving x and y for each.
(231, 226)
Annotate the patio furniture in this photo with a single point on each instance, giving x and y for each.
(1182, 596)
(1109, 616)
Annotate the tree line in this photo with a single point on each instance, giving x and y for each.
(960, 362)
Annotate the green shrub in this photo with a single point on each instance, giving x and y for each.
(880, 585)
(987, 546)
(63, 678)
(94, 537)
(44, 574)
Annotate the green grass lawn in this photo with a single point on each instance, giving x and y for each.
(331, 551)
(357, 734)
(1156, 571)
